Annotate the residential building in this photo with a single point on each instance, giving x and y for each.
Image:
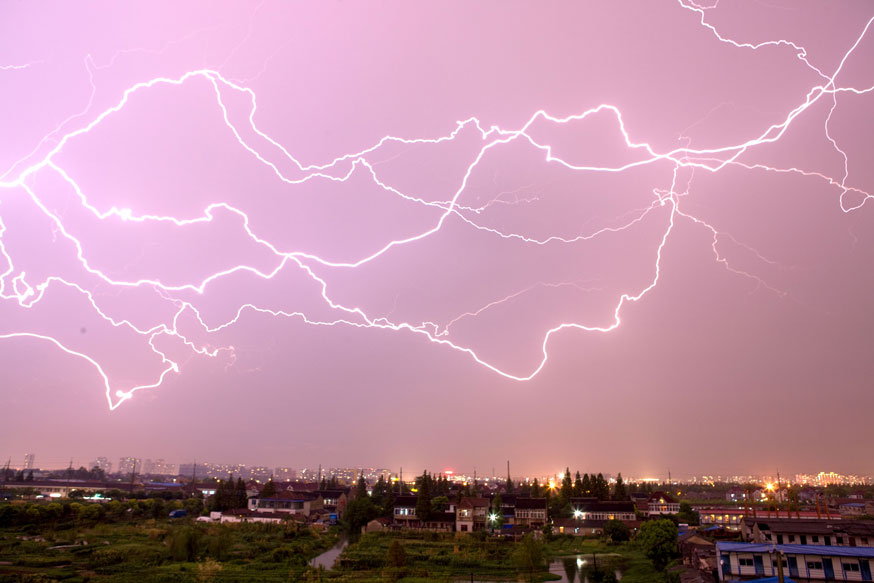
(661, 503)
(103, 464)
(530, 512)
(604, 510)
(728, 518)
(471, 513)
(281, 474)
(809, 563)
(405, 510)
(289, 501)
(578, 527)
(334, 501)
(159, 467)
(837, 532)
(129, 465)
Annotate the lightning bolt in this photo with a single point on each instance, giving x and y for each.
(20, 183)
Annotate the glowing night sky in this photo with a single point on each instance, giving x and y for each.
(620, 236)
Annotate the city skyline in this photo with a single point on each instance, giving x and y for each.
(637, 234)
(159, 466)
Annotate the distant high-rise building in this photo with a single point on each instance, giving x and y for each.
(830, 479)
(129, 465)
(281, 474)
(102, 463)
(259, 473)
(159, 467)
(28, 461)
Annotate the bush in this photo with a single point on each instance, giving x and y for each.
(397, 557)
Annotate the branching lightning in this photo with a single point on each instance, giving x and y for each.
(665, 209)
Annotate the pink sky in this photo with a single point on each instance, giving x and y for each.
(615, 236)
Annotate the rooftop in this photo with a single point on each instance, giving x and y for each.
(821, 550)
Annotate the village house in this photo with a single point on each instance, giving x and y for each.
(405, 510)
(661, 503)
(604, 510)
(291, 502)
(530, 512)
(471, 514)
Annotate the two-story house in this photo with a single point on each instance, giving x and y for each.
(405, 510)
(661, 503)
(471, 514)
(530, 512)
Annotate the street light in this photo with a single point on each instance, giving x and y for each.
(492, 519)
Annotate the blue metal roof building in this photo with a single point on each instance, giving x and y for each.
(807, 563)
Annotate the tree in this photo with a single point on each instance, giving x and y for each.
(269, 489)
(193, 506)
(439, 504)
(361, 486)
(241, 498)
(397, 557)
(658, 540)
(380, 494)
(423, 502)
(687, 515)
(619, 491)
(359, 511)
(535, 489)
(19, 476)
(528, 555)
(587, 485)
(567, 486)
(184, 543)
(29, 477)
(601, 488)
(578, 485)
(617, 531)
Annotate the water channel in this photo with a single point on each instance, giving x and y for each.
(580, 568)
(577, 568)
(329, 557)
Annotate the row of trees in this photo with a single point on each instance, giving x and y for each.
(114, 511)
(229, 495)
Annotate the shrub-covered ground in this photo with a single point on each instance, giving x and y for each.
(126, 543)
(148, 550)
